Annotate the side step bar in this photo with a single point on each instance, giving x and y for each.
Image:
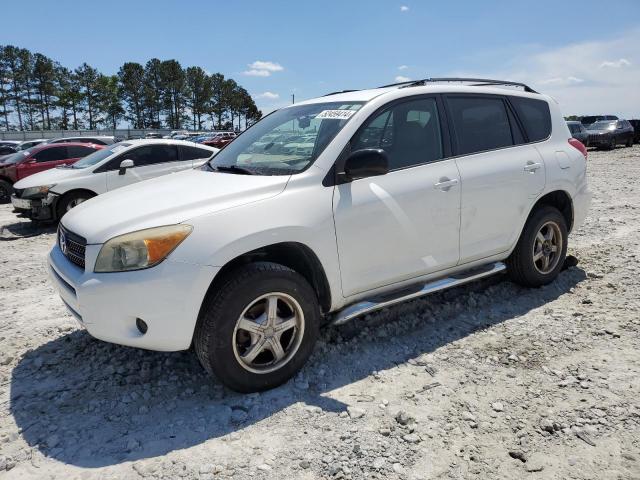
(377, 303)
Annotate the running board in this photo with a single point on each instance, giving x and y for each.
(376, 303)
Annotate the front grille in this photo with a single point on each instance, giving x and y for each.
(73, 246)
(596, 138)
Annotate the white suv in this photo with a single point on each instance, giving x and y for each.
(50, 194)
(407, 189)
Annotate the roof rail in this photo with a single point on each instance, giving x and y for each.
(340, 91)
(476, 82)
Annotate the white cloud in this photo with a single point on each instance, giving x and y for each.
(572, 74)
(570, 80)
(403, 67)
(257, 73)
(260, 68)
(400, 78)
(268, 95)
(404, 8)
(269, 66)
(623, 62)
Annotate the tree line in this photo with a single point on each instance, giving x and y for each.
(38, 93)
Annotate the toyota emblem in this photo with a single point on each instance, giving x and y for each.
(63, 243)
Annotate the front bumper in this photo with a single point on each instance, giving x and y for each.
(599, 140)
(36, 208)
(167, 297)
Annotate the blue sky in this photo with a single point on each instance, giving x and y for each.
(585, 53)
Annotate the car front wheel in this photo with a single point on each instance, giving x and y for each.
(258, 328)
(70, 200)
(540, 252)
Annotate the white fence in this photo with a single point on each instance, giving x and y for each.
(121, 132)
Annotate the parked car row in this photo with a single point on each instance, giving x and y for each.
(605, 131)
(45, 156)
(21, 159)
(321, 212)
(92, 170)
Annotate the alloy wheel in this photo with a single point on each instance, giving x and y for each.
(74, 203)
(547, 248)
(268, 333)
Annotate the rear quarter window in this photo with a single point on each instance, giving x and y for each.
(535, 117)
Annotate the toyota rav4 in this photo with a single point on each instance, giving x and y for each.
(404, 190)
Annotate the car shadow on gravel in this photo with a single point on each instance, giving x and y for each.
(93, 404)
(19, 230)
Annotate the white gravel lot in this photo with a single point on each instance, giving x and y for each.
(488, 381)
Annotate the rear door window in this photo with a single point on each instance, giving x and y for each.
(76, 151)
(480, 123)
(194, 153)
(535, 116)
(153, 154)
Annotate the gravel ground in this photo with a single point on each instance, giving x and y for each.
(488, 381)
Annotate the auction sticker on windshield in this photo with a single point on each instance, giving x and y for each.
(336, 114)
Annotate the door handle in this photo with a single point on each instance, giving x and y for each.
(532, 167)
(445, 184)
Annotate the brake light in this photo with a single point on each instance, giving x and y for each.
(578, 145)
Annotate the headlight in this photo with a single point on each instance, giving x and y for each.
(37, 192)
(141, 249)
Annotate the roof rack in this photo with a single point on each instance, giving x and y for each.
(340, 91)
(475, 82)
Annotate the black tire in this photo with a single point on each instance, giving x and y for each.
(521, 265)
(68, 199)
(6, 189)
(629, 143)
(215, 334)
(612, 144)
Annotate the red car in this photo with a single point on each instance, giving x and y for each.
(37, 159)
(220, 139)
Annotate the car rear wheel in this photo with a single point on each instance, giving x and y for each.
(5, 191)
(629, 143)
(540, 252)
(258, 328)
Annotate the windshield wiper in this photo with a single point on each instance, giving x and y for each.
(232, 169)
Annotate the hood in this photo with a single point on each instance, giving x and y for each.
(49, 177)
(167, 200)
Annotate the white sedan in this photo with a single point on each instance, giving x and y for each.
(49, 195)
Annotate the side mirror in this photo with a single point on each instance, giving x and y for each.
(368, 162)
(124, 165)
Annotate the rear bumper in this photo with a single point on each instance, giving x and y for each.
(581, 204)
(167, 297)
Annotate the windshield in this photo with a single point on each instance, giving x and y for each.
(99, 155)
(603, 125)
(287, 141)
(16, 157)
